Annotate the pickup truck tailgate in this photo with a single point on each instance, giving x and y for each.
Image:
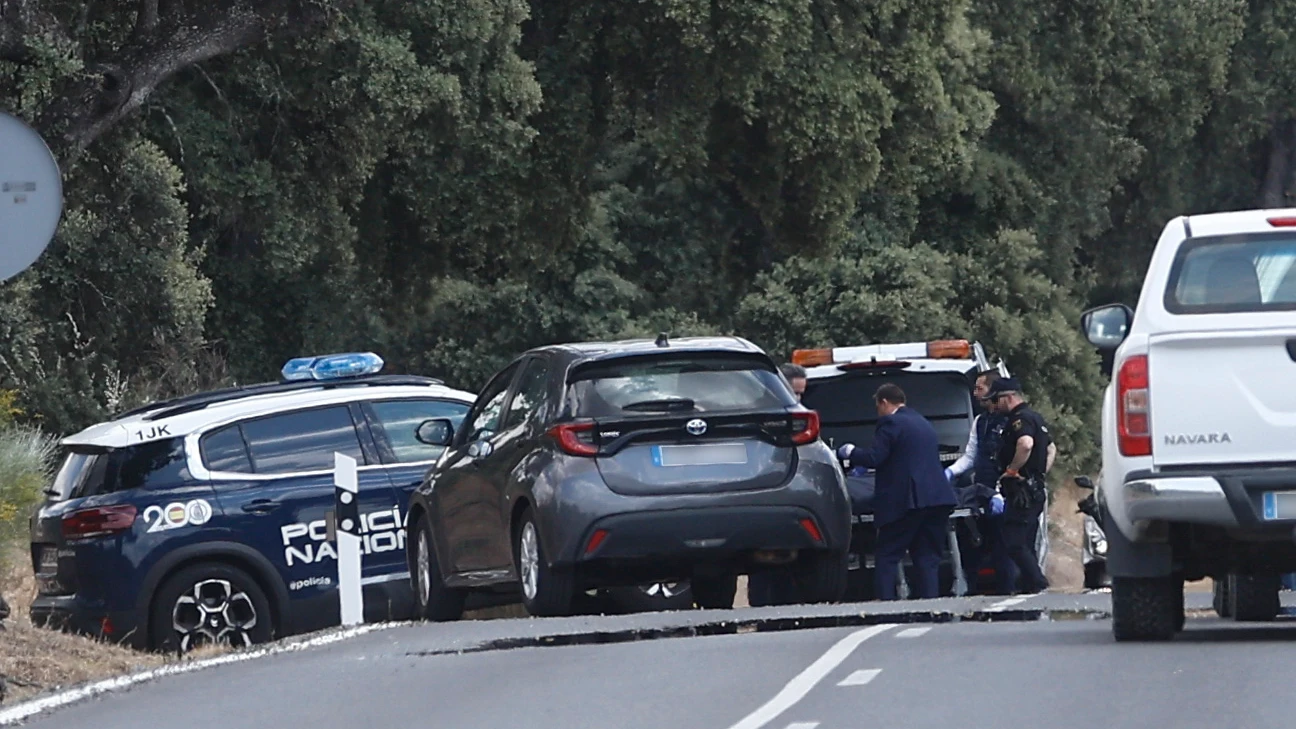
(1223, 397)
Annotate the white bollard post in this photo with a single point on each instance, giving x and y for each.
(346, 498)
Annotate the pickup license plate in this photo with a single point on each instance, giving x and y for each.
(704, 454)
(1279, 505)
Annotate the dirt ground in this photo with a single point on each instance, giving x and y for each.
(34, 661)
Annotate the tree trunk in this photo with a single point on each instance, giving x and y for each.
(1278, 172)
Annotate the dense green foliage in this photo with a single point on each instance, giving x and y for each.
(448, 182)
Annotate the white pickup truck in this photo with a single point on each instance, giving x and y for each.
(1199, 422)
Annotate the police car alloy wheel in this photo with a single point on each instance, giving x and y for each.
(210, 604)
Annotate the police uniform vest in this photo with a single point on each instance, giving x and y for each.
(985, 462)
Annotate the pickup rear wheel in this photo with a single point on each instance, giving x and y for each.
(1220, 599)
(1254, 597)
(1146, 608)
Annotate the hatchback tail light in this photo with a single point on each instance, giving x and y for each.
(98, 522)
(1134, 428)
(575, 439)
(805, 427)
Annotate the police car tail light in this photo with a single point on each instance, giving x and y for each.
(576, 439)
(98, 522)
(1283, 222)
(812, 357)
(805, 427)
(1133, 427)
(332, 366)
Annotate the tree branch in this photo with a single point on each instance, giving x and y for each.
(112, 88)
(146, 20)
(21, 21)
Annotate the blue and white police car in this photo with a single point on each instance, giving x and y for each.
(208, 518)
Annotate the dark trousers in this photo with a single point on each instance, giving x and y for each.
(992, 552)
(921, 533)
(1020, 528)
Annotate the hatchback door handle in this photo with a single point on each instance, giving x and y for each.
(260, 506)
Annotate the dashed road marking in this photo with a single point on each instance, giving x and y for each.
(912, 632)
(803, 725)
(861, 677)
(1005, 604)
(798, 687)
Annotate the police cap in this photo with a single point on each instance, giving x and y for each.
(1003, 386)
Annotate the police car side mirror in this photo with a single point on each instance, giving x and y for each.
(435, 432)
(1106, 327)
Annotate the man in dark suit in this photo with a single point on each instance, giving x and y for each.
(913, 499)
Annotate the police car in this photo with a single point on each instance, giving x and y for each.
(207, 518)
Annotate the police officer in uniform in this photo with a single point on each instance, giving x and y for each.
(1026, 454)
(981, 457)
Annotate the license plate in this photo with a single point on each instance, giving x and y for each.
(707, 454)
(1279, 505)
(49, 559)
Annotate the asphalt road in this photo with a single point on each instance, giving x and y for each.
(1057, 673)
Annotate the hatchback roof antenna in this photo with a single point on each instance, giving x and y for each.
(662, 341)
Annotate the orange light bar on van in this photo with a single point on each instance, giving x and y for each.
(812, 357)
(949, 349)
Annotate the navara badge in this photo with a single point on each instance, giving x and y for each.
(696, 426)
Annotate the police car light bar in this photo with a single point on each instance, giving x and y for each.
(331, 366)
(937, 349)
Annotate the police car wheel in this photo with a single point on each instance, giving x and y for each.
(210, 604)
(436, 601)
(1254, 597)
(546, 591)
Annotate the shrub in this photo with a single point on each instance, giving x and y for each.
(26, 462)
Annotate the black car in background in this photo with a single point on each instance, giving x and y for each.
(586, 466)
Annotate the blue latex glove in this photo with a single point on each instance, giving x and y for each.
(858, 472)
(997, 504)
(844, 453)
(949, 476)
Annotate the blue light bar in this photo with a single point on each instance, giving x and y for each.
(332, 366)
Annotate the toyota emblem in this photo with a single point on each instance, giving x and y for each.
(696, 426)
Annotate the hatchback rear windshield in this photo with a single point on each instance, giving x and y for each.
(682, 383)
(87, 471)
(1237, 273)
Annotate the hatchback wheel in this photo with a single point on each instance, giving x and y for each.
(436, 601)
(823, 578)
(715, 593)
(546, 592)
(210, 604)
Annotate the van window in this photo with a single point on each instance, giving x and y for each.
(1238, 273)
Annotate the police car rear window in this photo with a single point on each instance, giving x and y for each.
(94, 471)
(703, 383)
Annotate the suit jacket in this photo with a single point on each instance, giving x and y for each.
(906, 455)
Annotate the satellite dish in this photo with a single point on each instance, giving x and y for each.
(31, 196)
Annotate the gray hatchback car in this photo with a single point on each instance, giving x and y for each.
(595, 465)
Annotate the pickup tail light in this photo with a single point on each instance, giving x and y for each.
(575, 439)
(805, 427)
(100, 521)
(1134, 427)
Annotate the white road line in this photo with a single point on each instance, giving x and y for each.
(861, 677)
(803, 725)
(1005, 604)
(18, 712)
(798, 687)
(913, 632)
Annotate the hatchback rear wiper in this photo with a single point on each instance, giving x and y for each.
(674, 403)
